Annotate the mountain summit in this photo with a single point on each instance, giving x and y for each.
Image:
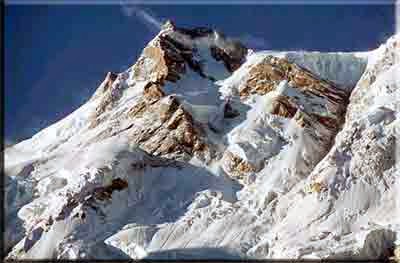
(206, 149)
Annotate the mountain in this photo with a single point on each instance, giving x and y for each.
(206, 149)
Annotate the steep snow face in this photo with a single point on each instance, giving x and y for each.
(382, 67)
(110, 176)
(357, 181)
(344, 69)
(204, 149)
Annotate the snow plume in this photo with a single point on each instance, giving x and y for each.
(150, 20)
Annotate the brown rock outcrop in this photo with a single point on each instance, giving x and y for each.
(173, 50)
(283, 107)
(232, 57)
(110, 95)
(319, 99)
(168, 130)
(105, 85)
(236, 166)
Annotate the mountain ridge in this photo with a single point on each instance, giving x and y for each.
(203, 135)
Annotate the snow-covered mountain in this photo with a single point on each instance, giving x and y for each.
(206, 149)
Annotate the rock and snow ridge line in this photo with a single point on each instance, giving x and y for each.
(206, 149)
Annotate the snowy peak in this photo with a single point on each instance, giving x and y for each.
(205, 149)
(174, 74)
(175, 50)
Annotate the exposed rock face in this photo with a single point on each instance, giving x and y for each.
(379, 244)
(167, 129)
(329, 102)
(232, 56)
(205, 150)
(236, 166)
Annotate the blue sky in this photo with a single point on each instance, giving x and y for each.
(57, 55)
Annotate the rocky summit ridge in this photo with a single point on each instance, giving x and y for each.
(207, 149)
